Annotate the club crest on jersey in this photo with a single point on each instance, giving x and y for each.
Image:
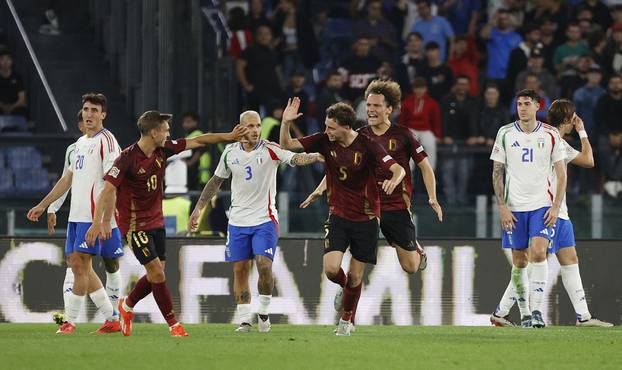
(357, 157)
(141, 171)
(541, 143)
(333, 154)
(159, 162)
(392, 144)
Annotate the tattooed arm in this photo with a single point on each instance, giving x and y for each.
(506, 217)
(210, 189)
(304, 159)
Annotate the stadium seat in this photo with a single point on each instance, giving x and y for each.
(32, 180)
(170, 225)
(6, 181)
(2, 155)
(23, 157)
(13, 123)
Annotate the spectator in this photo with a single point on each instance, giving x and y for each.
(535, 66)
(597, 44)
(459, 113)
(433, 28)
(258, 72)
(609, 109)
(439, 75)
(270, 125)
(411, 63)
(241, 36)
(296, 88)
(462, 15)
(294, 39)
(600, 13)
(463, 61)
(616, 13)
(614, 49)
(533, 83)
(586, 23)
(378, 31)
(359, 69)
(501, 40)
(553, 10)
(199, 163)
(493, 115)
(610, 153)
(12, 91)
(567, 55)
(257, 16)
(518, 56)
(550, 41)
(586, 97)
(574, 78)
(420, 113)
(330, 94)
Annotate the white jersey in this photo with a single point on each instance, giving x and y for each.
(571, 153)
(92, 158)
(55, 206)
(528, 159)
(253, 182)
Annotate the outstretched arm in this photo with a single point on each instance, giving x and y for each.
(321, 188)
(304, 159)
(210, 189)
(61, 187)
(290, 114)
(236, 134)
(506, 217)
(429, 179)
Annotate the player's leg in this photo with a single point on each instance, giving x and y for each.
(541, 237)
(264, 243)
(112, 250)
(238, 249)
(517, 240)
(398, 228)
(336, 242)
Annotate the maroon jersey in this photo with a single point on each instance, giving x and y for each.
(350, 179)
(401, 144)
(139, 181)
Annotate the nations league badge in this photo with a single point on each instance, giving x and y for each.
(541, 143)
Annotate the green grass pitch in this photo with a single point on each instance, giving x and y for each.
(216, 346)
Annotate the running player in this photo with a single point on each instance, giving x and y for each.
(138, 175)
(253, 220)
(354, 205)
(527, 149)
(93, 156)
(562, 116)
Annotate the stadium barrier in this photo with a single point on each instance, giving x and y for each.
(461, 285)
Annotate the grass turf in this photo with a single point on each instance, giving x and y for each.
(216, 346)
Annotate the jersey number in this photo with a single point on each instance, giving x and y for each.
(79, 162)
(152, 183)
(527, 155)
(343, 173)
(249, 173)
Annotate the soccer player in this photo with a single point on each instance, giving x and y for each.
(93, 156)
(562, 116)
(138, 175)
(525, 151)
(253, 220)
(354, 205)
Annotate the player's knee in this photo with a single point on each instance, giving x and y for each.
(355, 278)
(156, 274)
(410, 267)
(331, 272)
(264, 269)
(111, 264)
(538, 256)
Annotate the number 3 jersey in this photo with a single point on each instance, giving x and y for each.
(139, 181)
(253, 181)
(528, 159)
(91, 159)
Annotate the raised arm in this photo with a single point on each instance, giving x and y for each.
(429, 180)
(210, 189)
(304, 159)
(586, 157)
(506, 217)
(290, 114)
(236, 134)
(61, 187)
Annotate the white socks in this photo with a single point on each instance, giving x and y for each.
(574, 287)
(67, 285)
(538, 277)
(100, 298)
(507, 301)
(264, 304)
(113, 287)
(244, 312)
(521, 285)
(74, 304)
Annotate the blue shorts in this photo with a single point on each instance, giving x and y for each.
(76, 234)
(529, 225)
(563, 236)
(246, 242)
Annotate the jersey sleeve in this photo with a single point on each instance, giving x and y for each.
(55, 206)
(172, 147)
(383, 159)
(222, 170)
(498, 149)
(558, 152)
(417, 153)
(119, 168)
(571, 153)
(277, 153)
(109, 151)
(315, 143)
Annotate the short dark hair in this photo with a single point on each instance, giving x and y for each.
(97, 99)
(190, 114)
(427, 2)
(560, 111)
(151, 119)
(419, 82)
(341, 113)
(461, 37)
(414, 33)
(464, 77)
(333, 72)
(389, 89)
(431, 46)
(528, 93)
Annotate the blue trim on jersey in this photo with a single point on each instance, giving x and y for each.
(538, 125)
(76, 235)
(246, 242)
(99, 132)
(564, 236)
(529, 224)
(259, 142)
(518, 126)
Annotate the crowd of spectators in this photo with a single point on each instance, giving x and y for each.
(459, 64)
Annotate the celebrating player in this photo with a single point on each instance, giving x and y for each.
(138, 175)
(562, 116)
(354, 204)
(525, 151)
(94, 154)
(253, 220)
